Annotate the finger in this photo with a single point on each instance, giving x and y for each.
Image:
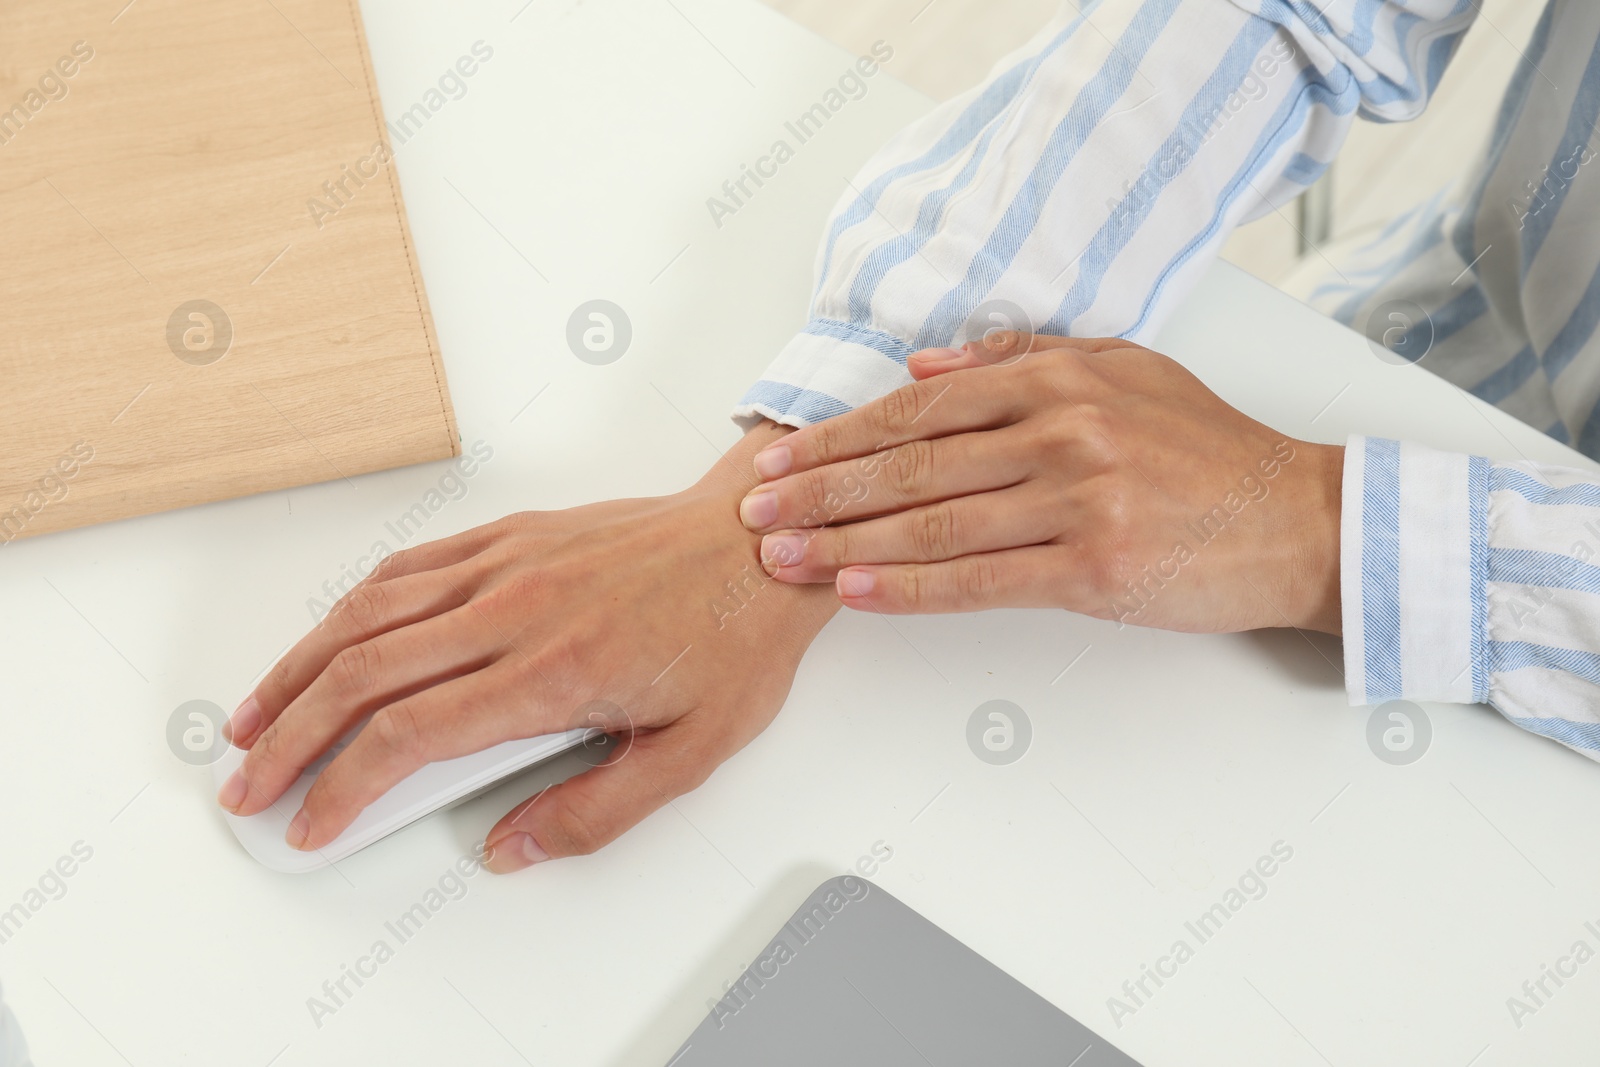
(932, 362)
(922, 410)
(1001, 348)
(370, 609)
(1015, 578)
(443, 553)
(591, 810)
(997, 348)
(1004, 347)
(455, 718)
(358, 681)
(985, 522)
(908, 475)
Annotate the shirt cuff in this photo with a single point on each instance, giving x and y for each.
(829, 368)
(1413, 573)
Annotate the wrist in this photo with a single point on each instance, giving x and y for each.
(734, 470)
(795, 611)
(1315, 578)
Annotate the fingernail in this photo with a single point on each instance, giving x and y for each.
(231, 795)
(514, 852)
(245, 721)
(855, 583)
(936, 355)
(758, 510)
(774, 461)
(781, 550)
(299, 830)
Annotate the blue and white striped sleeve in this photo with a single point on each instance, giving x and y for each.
(1090, 181)
(1469, 581)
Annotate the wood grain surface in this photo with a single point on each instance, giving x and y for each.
(207, 283)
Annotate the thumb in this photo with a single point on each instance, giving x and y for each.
(590, 810)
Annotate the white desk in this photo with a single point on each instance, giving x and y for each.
(1418, 898)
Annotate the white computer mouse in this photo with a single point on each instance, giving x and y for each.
(429, 789)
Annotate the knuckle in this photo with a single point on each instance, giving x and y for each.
(1101, 580)
(913, 588)
(1058, 440)
(1093, 440)
(354, 672)
(557, 657)
(509, 523)
(390, 567)
(810, 499)
(1050, 369)
(975, 580)
(526, 585)
(1105, 564)
(690, 773)
(280, 676)
(900, 409)
(367, 608)
(397, 729)
(822, 441)
(516, 591)
(1003, 344)
(266, 752)
(933, 533)
(910, 469)
(686, 764)
(832, 547)
(1115, 511)
(1103, 575)
(517, 524)
(579, 827)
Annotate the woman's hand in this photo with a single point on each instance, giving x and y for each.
(1093, 475)
(653, 613)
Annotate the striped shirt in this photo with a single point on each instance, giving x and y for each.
(1091, 180)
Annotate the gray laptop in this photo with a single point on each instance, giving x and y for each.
(855, 976)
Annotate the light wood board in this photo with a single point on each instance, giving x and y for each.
(175, 151)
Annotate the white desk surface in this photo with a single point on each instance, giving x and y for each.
(1419, 898)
